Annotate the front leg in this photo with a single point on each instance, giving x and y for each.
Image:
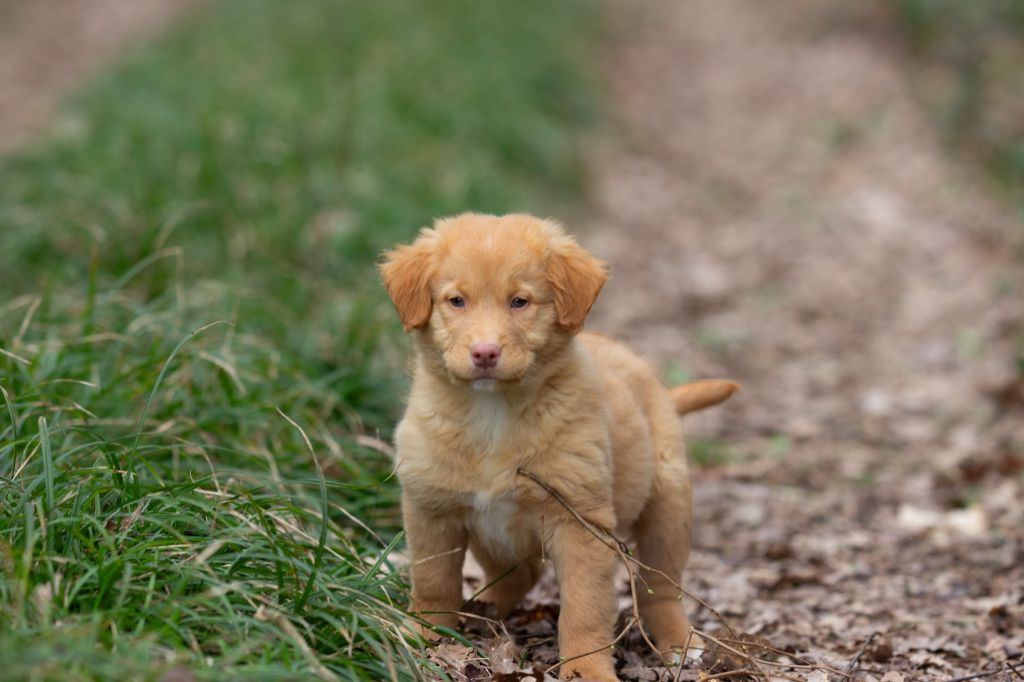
(437, 549)
(586, 581)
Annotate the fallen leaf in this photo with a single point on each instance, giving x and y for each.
(503, 652)
(451, 655)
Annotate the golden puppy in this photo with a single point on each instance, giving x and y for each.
(503, 381)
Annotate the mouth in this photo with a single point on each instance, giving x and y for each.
(480, 379)
(484, 379)
(484, 385)
(488, 377)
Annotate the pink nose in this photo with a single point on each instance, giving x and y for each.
(485, 354)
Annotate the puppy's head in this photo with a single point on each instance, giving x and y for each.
(490, 295)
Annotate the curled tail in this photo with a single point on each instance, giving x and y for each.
(696, 395)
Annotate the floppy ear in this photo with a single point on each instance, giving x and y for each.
(576, 277)
(406, 272)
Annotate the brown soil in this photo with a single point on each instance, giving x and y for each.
(48, 46)
(778, 210)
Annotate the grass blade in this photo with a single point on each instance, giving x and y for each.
(324, 519)
(44, 440)
(130, 464)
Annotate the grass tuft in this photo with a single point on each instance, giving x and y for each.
(198, 367)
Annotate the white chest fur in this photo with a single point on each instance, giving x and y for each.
(488, 419)
(493, 517)
(491, 521)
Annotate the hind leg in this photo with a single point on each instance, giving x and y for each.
(663, 543)
(507, 581)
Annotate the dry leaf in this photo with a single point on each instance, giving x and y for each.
(451, 655)
(503, 652)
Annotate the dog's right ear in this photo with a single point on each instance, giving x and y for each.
(576, 277)
(406, 272)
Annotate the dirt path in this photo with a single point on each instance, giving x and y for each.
(778, 211)
(48, 46)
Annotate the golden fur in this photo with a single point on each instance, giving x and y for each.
(579, 411)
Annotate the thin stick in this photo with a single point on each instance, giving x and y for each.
(614, 543)
(439, 555)
(615, 641)
(621, 548)
(464, 614)
(986, 673)
(636, 602)
(808, 665)
(803, 663)
(682, 656)
(855, 663)
(609, 541)
(727, 673)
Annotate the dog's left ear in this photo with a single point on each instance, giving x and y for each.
(406, 272)
(576, 277)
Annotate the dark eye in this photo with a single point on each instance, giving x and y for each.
(519, 302)
(457, 302)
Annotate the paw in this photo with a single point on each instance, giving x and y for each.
(693, 653)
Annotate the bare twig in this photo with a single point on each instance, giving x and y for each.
(682, 656)
(439, 555)
(618, 638)
(801, 661)
(855, 662)
(742, 651)
(743, 671)
(607, 539)
(728, 673)
(988, 673)
(464, 614)
(611, 541)
(636, 602)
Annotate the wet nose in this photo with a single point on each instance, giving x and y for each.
(485, 354)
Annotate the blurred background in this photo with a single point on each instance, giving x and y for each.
(200, 370)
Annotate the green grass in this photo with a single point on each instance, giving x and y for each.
(200, 371)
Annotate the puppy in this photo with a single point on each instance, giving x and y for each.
(503, 383)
